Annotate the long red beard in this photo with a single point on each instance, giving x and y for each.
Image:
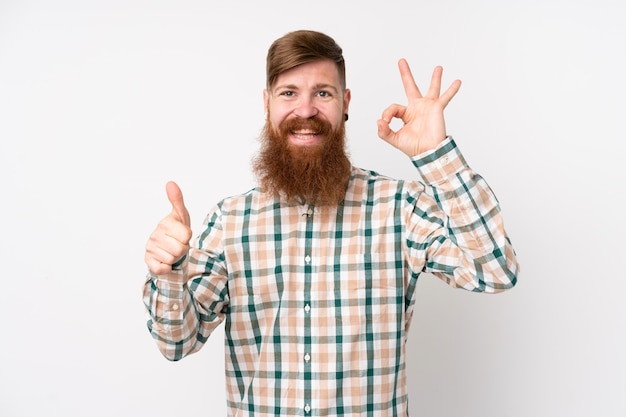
(316, 174)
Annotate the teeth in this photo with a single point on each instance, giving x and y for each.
(304, 132)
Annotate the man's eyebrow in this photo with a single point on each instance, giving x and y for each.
(316, 87)
(326, 87)
(284, 87)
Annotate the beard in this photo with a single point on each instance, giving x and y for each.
(317, 174)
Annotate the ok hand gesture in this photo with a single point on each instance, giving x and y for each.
(424, 126)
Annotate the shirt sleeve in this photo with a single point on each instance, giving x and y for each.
(455, 226)
(184, 306)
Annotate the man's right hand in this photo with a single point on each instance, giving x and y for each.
(170, 240)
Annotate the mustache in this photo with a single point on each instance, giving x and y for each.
(314, 124)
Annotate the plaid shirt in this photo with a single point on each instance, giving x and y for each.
(317, 302)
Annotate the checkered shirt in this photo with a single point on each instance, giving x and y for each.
(317, 301)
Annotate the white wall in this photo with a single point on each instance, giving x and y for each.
(103, 101)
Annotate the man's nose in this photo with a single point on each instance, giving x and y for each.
(306, 108)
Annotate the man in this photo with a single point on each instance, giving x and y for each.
(314, 271)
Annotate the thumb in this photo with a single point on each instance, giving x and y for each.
(385, 132)
(175, 196)
(383, 128)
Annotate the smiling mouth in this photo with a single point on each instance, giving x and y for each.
(305, 136)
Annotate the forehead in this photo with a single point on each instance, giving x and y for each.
(312, 73)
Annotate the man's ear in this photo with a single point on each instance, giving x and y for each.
(346, 101)
(266, 101)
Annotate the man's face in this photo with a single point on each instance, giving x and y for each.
(302, 156)
(307, 91)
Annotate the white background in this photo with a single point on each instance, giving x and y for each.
(102, 102)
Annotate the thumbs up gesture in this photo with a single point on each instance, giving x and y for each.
(170, 240)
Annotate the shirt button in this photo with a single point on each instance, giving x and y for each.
(307, 308)
(307, 358)
(307, 259)
(309, 211)
(307, 408)
(175, 307)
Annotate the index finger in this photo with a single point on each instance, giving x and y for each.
(410, 88)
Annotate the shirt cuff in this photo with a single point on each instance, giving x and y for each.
(439, 164)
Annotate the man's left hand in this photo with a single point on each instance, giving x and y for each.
(424, 126)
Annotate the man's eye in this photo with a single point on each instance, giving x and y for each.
(287, 93)
(324, 94)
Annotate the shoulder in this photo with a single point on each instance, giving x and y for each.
(361, 174)
(372, 186)
(252, 200)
